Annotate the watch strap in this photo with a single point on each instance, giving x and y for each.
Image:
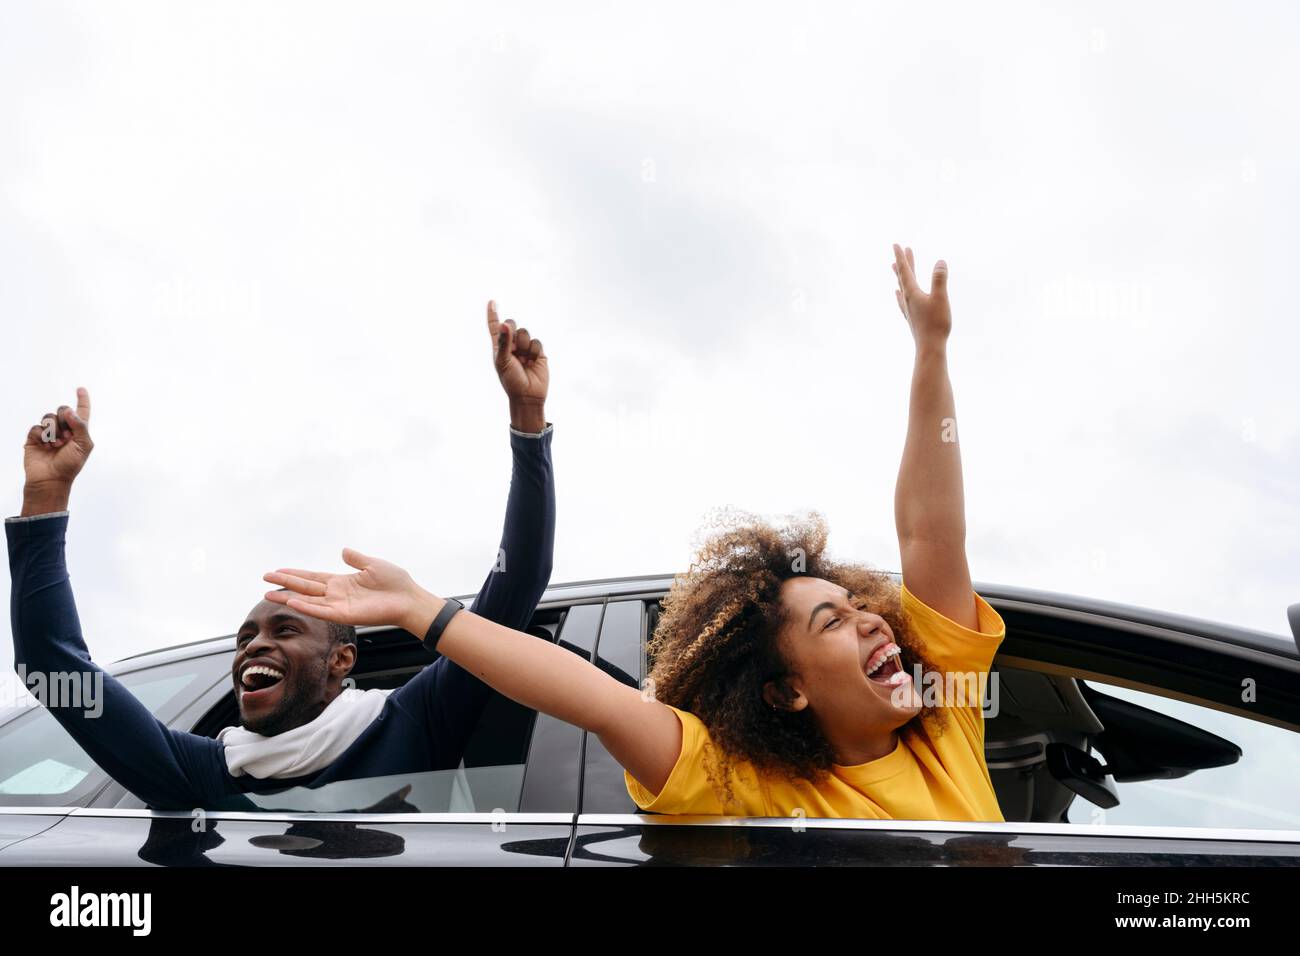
(449, 608)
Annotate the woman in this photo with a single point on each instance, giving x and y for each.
(781, 683)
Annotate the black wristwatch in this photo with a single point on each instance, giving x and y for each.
(449, 608)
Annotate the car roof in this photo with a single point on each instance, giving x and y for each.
(1001, 596)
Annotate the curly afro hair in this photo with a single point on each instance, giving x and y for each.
(716, 643)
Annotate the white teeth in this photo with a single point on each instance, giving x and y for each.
(258, 669)
(892, 652)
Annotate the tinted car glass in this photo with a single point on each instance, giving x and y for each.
(40, 763)
(1259, 791)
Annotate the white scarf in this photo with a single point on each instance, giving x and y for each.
(308, 747)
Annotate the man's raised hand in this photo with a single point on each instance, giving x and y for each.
(521, 366)
(927, 314)
(54, 454)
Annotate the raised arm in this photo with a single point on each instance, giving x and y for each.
(450, 696)
(167, 769)
(929, 506)
(644, 736)
(524, 559)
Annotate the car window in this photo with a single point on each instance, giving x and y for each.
(620, 653)
(490, 777)
(1259, 791)
(40, 763)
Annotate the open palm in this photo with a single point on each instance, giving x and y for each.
(928, 314)
(379, 593)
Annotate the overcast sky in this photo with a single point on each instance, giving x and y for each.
(263, 235)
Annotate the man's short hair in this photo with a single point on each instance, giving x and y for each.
(341, 633)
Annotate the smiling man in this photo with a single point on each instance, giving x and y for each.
(282, 665)
(299, 724)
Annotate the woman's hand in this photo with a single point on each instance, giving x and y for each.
(380, 593)
(928, 315)
(644, 736)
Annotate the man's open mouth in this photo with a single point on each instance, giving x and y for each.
(256, 679)
(885, 666)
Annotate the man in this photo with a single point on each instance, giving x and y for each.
(299, 725)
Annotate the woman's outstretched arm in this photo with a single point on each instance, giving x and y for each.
(642, 734)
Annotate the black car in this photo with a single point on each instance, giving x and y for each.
(1114, 735)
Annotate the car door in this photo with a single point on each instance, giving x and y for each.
(1049, 648)
(511, 803)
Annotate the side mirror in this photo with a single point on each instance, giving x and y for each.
(1083, 773)
(1293, 615)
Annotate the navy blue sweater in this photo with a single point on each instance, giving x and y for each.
(424, 725)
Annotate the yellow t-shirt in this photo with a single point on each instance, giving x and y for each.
(924, 778)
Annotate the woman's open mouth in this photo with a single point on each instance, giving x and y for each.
(885, 666)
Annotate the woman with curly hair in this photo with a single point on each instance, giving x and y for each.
(780, 682)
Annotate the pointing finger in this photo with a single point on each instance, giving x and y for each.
(500, 333)
(501, 348)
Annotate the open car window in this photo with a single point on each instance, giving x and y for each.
(490, 778)
(1195, 780)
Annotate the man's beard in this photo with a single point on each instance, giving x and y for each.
(299, 702)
